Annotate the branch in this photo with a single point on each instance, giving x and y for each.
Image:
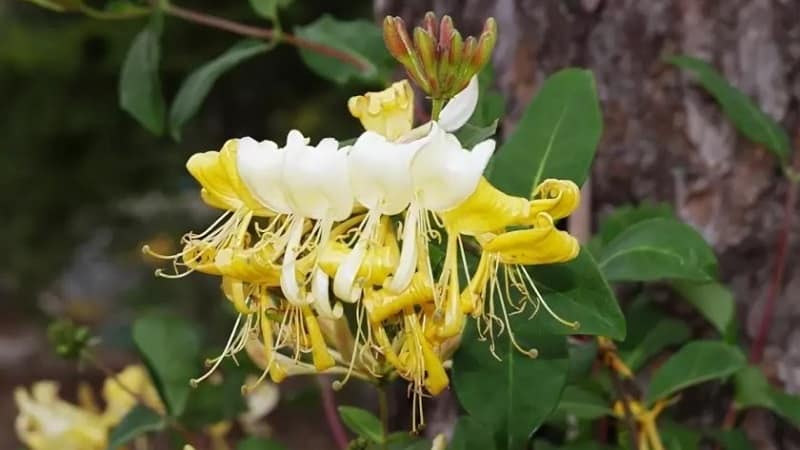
(241, 29)
(331, 414)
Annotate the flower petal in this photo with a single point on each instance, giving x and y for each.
(444, 174)
(317, 181)
(260, 165)
(460, 108)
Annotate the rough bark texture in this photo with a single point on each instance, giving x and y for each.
(664, 139)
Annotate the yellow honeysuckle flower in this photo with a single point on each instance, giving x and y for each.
(46, 422)
(119, 400)
(223, 188)
(389, 112)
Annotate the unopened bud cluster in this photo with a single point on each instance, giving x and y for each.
(437, 58)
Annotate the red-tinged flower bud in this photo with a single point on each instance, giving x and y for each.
(394, 43)
(429, 23)
(438, 59)
(426, 48)
(446, 31)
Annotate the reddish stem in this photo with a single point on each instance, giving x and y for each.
(778, 269)
(331, 414)
(262, 33)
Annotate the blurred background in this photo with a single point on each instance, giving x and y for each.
(83, 186)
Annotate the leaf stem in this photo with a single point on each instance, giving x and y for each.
(331, 414)
(383, 412)
(220, 23)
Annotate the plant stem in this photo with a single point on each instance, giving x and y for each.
(630, 422)
(220, 23)
(331, 414)
(436, 108)
(383, 411)
(778, 270)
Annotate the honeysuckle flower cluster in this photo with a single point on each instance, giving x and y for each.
(308, 229)
(46, 422)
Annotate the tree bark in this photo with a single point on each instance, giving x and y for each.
(665, 139)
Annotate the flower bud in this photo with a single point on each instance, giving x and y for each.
(438, 59)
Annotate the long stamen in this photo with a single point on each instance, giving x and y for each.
(575, 325)
(196, 381)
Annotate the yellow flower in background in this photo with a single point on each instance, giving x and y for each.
(119, 400)
(389, 112)
(46, 422)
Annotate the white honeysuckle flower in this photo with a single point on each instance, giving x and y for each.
(381, 182)
(317, 186)
(459, 109)
(443, 175)
(260, 165)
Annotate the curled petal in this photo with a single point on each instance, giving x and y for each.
(487, 210)
(460, 108)
(542, 244)
(559, 198)
(389, 112)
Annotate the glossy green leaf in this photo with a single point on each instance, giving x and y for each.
(582, 355)
(268, 9)
(556, 137)
(741, 110)
(471, 135)
(500, 394)
(362, 422)
(753, 390)
(623, 218)
(170, 347)
(197, 85)
(695, 363)
(658, 249)
(361, 41)
(257, 443)
(733, 440)
(583, 403)
(469, 434)
(662, 334)
(139, 420)
(139, 83)
(577, 292)
(713, 300)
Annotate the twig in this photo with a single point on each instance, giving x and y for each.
(778, 270)
(630, 422)
(261, 33)
(331, 414)
(383, 411)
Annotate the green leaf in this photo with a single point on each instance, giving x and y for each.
(577, 291)
(360, 40)
(657, 249)
(679, 437)
(695, 363)
(624, 217)
(583, 403)
(556, 137)
(713, 300)
(139, 83)
(753, 390)
(665, 333)
(197, 85)
(544, 445)
(170, 347)
(733, 440)
(582, 356)
(138, 421)
(470, 434)
(471, 135)
(268, 9)
(745, 115)
(210, 403)
(362, 422)
(257, 443)
(500, 394)
(58, 5)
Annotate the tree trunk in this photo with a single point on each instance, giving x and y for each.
(666, 140)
